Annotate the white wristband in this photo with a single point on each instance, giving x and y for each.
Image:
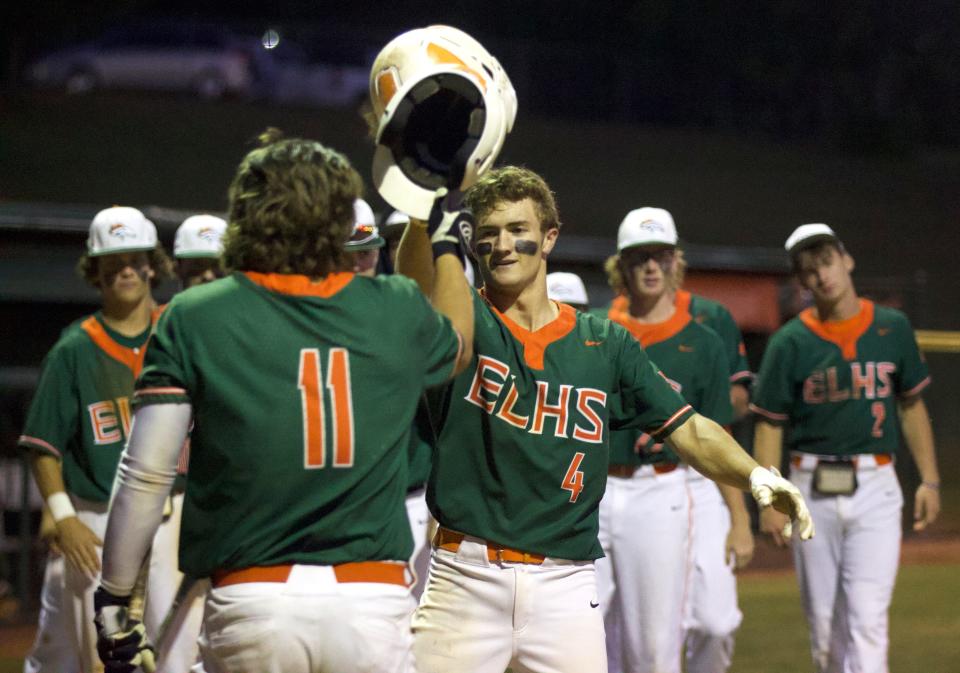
(60, 506)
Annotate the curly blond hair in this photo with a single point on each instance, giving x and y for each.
(513, 183)
(615, 274)
(291, 208)
(160, 262)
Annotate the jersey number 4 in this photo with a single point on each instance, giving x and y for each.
(573, 479)
(309, 381)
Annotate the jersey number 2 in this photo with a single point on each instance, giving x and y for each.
(341, 406)
(879, 414)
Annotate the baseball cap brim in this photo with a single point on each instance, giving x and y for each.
(360, 246)
(118, 251)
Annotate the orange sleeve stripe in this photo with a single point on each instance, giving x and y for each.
(40, 444)
(769, 414)
(671, 420)
(160, 391)
(917, 388)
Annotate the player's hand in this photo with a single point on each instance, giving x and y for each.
(79, 545)
(450, 225)
(773, 523)
(121, 642)
(739, 547)
(770, 490)
(926, 506)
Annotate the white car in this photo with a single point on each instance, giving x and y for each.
(206, 60)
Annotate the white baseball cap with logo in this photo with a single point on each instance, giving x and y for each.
(807, 235)
(200, 236)
(366, 235)
(566, 287)
(646, 226)
(120, 229)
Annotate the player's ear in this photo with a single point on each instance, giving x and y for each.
(848, 262)
(549, 240)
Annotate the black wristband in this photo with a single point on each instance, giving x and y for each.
(447, 248)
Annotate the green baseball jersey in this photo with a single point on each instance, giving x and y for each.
(693, 359)
(80, 412)
(836, 383)
(421, 442)
(523, 432)
(303, 396)
(716, 316)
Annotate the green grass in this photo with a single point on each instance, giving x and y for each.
(924, 623)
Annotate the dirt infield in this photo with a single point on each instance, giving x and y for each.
(928, 549)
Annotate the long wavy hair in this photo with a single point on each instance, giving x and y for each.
(615, 273)
(160, 262)
(291, 208)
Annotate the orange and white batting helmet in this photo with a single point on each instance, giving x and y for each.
(444, 107)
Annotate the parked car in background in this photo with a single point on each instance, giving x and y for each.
(207, 60)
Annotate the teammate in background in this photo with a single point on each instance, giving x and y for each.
(521, 459)
(364, 244)
(197, 247)
(840, 375)
(568, 288)
(645, 515)
(80, 414)
(298, 456)
(720, 538)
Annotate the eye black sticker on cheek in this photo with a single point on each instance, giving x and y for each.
(484, 248)
(526, 247)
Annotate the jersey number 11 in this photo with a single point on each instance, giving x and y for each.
(309, 381)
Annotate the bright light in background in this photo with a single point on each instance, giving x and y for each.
(270, 39)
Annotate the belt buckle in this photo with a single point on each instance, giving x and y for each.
(498, 554)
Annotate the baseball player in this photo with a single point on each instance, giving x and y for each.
(720, 538)
(302, 380)
(643, 586)
(521, 459)
(80, 414)
(845, 377)
(197, 246)
(568, 288)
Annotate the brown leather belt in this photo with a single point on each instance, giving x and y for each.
(881, 459)
(450, 541)
(383, 572)
(627, 471)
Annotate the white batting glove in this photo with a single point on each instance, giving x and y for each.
(770, 489)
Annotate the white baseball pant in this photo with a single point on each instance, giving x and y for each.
(309, 624)
(644, 524)
(478, 616)
(52, 651)
(848, 570)
(164, 578)
(419, 517)
(712, 614)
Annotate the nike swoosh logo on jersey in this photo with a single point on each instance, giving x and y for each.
(594, 605)
(883, 331)
(592, 343)
(685, 348)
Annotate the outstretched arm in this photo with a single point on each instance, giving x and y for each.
(710, 449)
